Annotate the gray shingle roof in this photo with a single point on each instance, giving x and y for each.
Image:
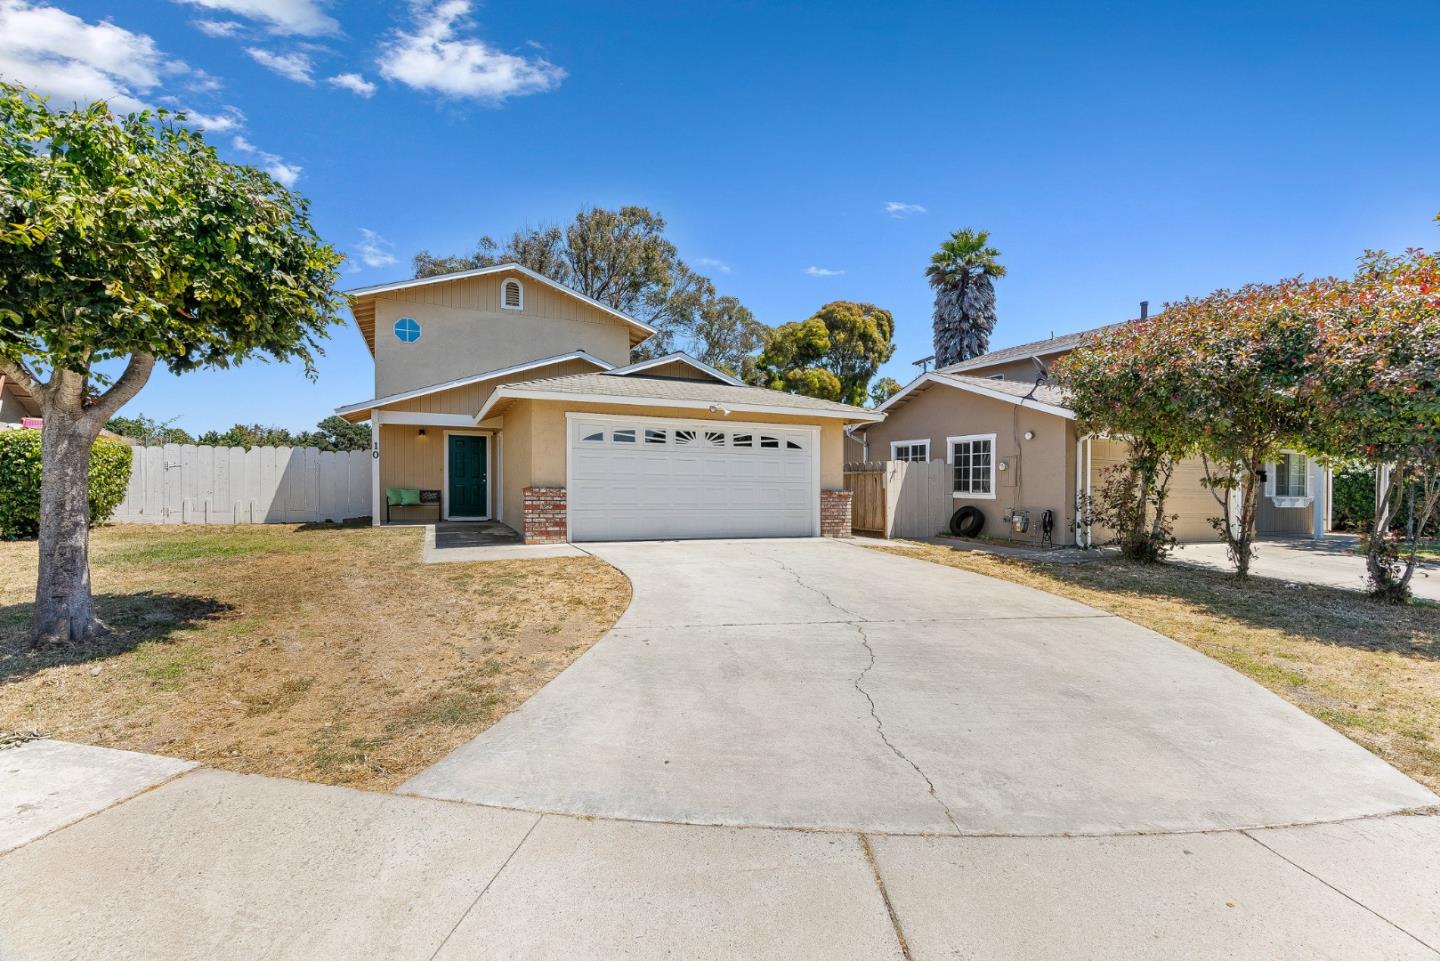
(1038, 348)
(656, 388)
(1044, 393)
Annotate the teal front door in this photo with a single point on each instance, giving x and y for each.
(467, 459)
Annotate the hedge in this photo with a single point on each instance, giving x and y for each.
(110, 462)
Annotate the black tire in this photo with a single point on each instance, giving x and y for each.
(968, 521)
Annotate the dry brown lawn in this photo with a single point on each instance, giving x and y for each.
(316, 652)
(1370, 671)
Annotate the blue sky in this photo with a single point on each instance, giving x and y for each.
(1116, 151)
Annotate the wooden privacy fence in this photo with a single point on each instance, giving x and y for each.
(186, 484)
(899, 498)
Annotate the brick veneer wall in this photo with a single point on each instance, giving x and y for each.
(544, 515)
(835, 514)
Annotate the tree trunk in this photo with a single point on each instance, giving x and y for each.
(64, 610)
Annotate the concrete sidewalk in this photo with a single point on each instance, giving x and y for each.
(217, 866)
(1330, 562)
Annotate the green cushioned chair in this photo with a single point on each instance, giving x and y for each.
(401, 497)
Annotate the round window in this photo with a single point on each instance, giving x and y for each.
(407, 329)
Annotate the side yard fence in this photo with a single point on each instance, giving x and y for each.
(186, 484)
(899, 499)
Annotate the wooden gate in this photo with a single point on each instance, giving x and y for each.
(866, 483)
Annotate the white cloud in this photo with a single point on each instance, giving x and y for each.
(218, 28)
(293, 66)
(228, 119)
(899, 210)
(354, 83)
(374, 249)
(431, 56)
(823, 272)
(273, 165)
(304, 17)
(713, 264)
(62, 56)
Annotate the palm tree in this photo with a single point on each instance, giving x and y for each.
(961, 272)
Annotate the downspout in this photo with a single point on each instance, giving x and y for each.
(1083, 460)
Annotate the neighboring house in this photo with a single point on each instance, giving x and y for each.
(512, 397)
(15, 402)
(1012, 443)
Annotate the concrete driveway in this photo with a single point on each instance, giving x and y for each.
(753, 688)
(1331, 562)
(815, 684)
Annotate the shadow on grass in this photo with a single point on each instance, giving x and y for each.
(313, 526)
(134, 619)
(1328, 615)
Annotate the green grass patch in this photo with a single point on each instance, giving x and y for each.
(168, 665)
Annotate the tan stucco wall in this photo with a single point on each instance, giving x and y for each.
(535, 442)
(464, 332)
(470, 398)
(1024, 371)
(677, 369)
(11, 409)
(1188, 498)
(1041, 472)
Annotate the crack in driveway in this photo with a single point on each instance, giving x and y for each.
(858, 623)
(880, 728)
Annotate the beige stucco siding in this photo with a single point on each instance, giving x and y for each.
(677, 369)
(1040, 472)
(470, 398)
(1023, 371)
(11, 409)
(464, 331)
(1187, 496)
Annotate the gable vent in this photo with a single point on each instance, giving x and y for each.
(512, 295)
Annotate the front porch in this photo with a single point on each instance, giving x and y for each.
(434, 468)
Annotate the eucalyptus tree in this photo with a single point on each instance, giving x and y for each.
(962, 272)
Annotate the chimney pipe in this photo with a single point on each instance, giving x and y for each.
(1144, 309)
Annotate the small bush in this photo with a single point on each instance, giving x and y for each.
(110, 462)
(1129, 506)
(1354, 494)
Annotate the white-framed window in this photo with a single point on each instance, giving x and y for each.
(1288, 483)
(512, 294)
(910, 450)
(972, 463)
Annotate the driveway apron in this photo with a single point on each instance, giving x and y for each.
(814, 684)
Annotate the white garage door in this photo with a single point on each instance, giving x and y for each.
(647, 479)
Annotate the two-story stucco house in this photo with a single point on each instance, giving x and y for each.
(1012, 444)
(514, 398)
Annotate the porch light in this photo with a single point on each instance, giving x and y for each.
(420, 432)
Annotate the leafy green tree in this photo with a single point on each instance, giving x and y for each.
(1122, 381)
(148, 430)
(883, 389)
(126, 239)
(623, 259)
(252, 435)
(337, 433)
(962, 272)
(832, 355)
(1374, 397)
(1226, 369)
